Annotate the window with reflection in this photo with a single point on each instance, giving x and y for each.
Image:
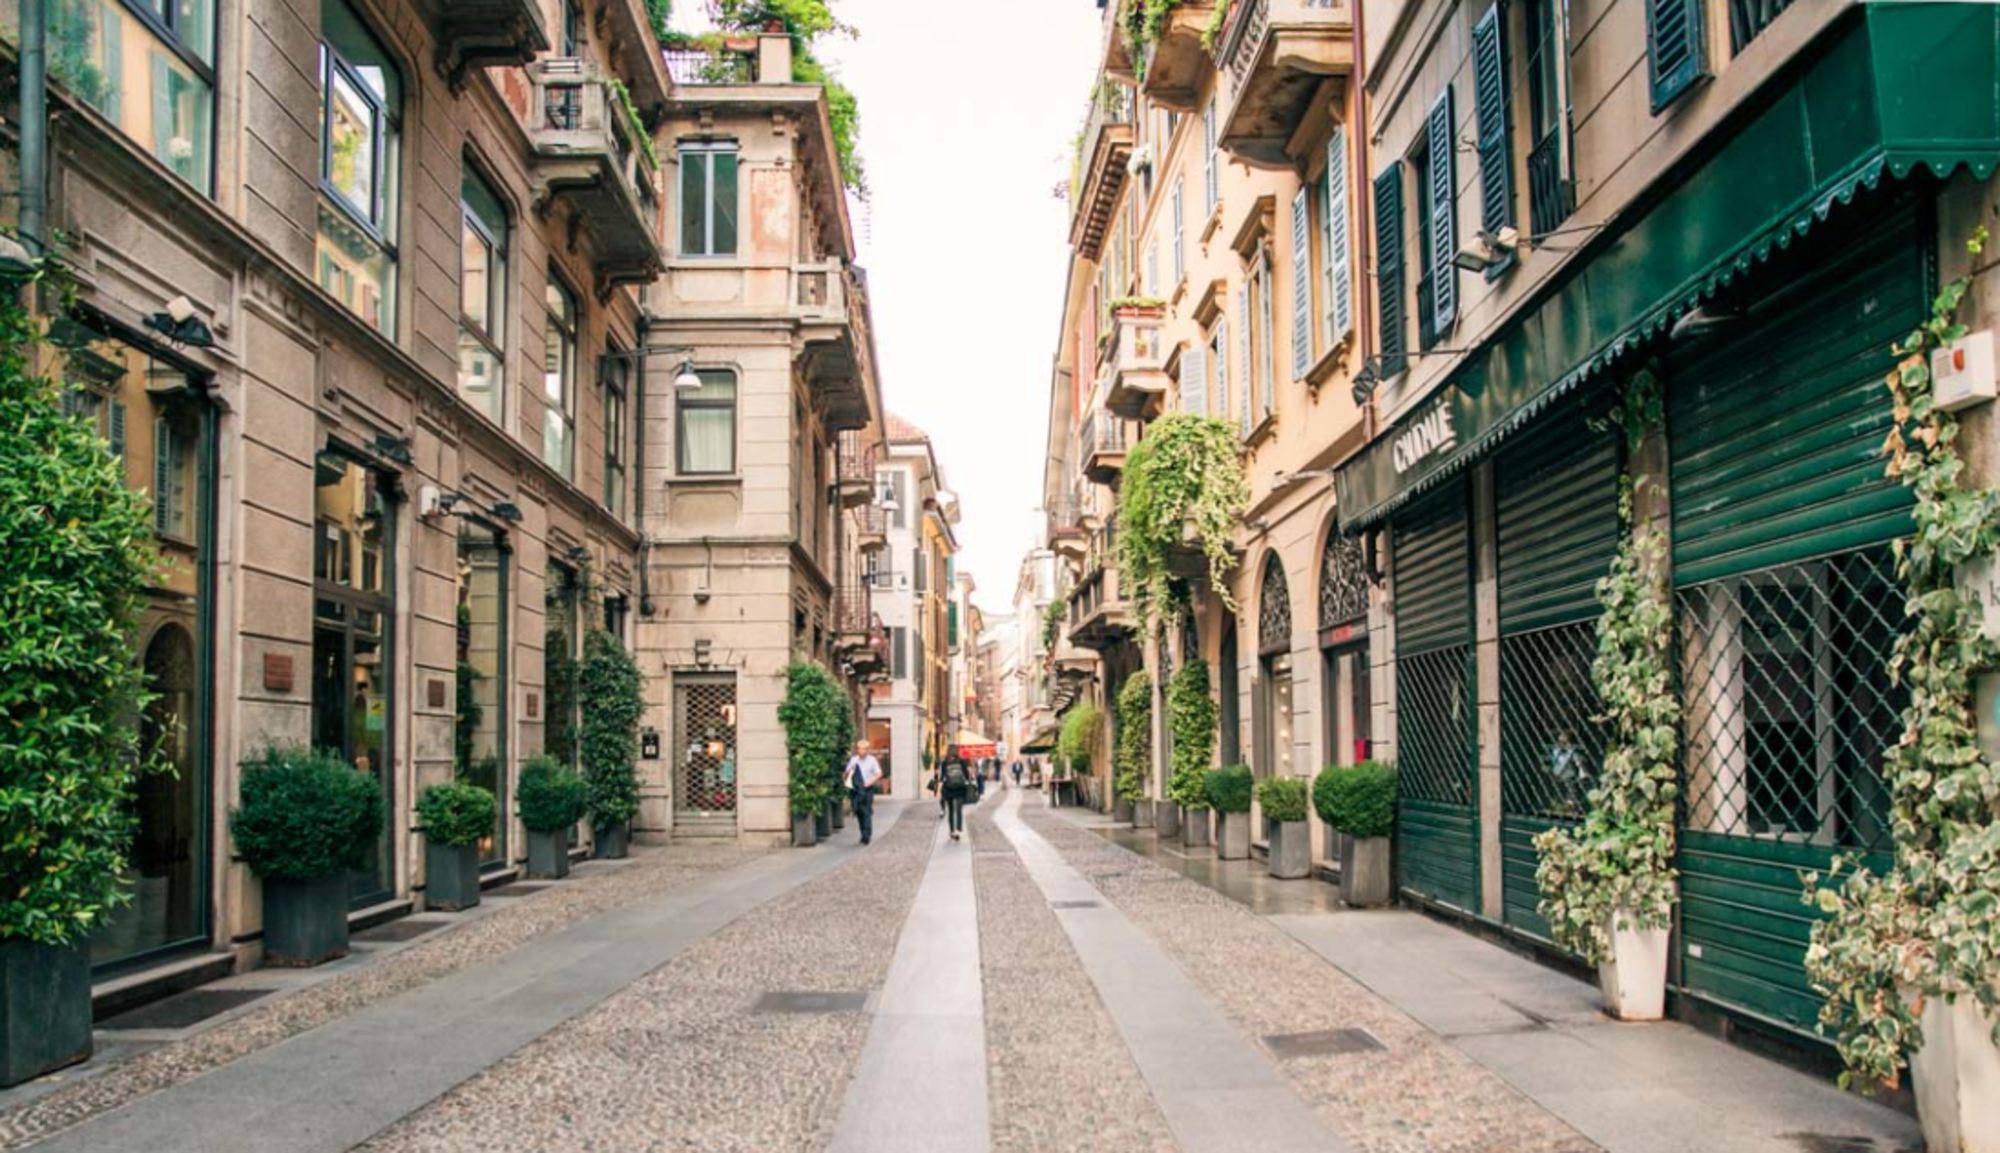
(706, 420)
(482, 312)
(559, 377)
(361, 101)
(149, 67)
(708, 199)
(616, 377)
(353, 614)
(479, 748)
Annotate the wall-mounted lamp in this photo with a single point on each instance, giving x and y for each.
(435, 502)
(506, 510)
(180, 325)
(577, 554)
(394, 448)
(687, 377)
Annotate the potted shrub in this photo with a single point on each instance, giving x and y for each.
(1076, 742)
(1284, 801)
(1134, 754)
(551, 802)
(1191, 719)
(1359, 802)
(613, 701)
(455, 817)
(1229, 794)
(305, 819)
(805, 803)
(819, 723)
(70, 596)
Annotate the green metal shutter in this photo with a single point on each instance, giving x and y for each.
(1673, 47)
(1437, 854)
(1490, 104)
(1558, 523)
(1433, 573)
(1389, 267)
(1444, 211)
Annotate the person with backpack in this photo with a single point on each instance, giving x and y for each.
(954, 782)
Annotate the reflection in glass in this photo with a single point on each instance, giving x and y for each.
(561, 654)
(118, 64)
(351, 690)
(479, 745)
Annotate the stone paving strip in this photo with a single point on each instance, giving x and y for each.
(1060, 1077)
(444, 952)
(692, 1056)
(1416, 1093)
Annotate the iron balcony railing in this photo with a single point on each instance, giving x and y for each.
(700, 66)
(854, 608)
(857, 463)
(1101, 432)
(1551, 197)
(1749, 18)
(1065, 518)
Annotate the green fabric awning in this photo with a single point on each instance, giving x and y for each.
(1899, 85)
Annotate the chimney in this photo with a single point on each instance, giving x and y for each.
(774, 58)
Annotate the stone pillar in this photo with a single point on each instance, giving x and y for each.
(1486, 659)
(774, 58)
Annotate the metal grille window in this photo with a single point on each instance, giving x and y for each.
(1749, 18)
(1434, 698)
(1274, 610)
(705, 743)
(1343, 581)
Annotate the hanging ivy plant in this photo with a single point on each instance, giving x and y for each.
(1618, 862)
(1191, 718)
(1052, 621)
(1135, 737)
(1184, 477)
(1930, 925)
(819, 723)
(1077, 743)
(1211, 36)
(1142, 21)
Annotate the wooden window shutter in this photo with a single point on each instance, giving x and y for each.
(1211, 177)
(1194, 380)
(1673, 47)
(1180, 233)
(1389, 267)
(1489, 99)
(1339, 243)
(1444, 228)
(115, 427)
(1301, 286)
(166, 451)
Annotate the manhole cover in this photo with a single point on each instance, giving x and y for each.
(811, 1003)
(1075, 904)
(184, 1009)
(402, 930)
(1322, 1043)
(518, 889)
(992, 852)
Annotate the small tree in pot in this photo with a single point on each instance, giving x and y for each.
(1229, 793)
(817, 720)
(1191, 719)
(551, 801)
(455, 817)
(1076, 743)
(613, 702)
(1360, 802)
(1284, 801)
(1135, 744)
(306, 819)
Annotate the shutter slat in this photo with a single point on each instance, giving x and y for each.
(1673, 47)
(1301, 287)
(116, 425)
(1180, 233)
(1489, 73)
(1339, 247)
(1444, 226)
(1210, 176)
(1247, 373)
(163, 473)
(1194, 380)
(1220, 383)
(1389, 267)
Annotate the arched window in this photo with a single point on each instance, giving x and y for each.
(1274, 610)
(1274, 650)
(1343, 581)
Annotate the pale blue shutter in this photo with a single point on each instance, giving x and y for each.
(1301, 286)
(1210, 176)
(1444, 228)
(1339, 243)
(1194, 380)
(1180, 233)
(1246, 372)
(1267, 334)
(1152, 268)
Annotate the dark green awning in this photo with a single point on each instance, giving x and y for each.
(1901, 84)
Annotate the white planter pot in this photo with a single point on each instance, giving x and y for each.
(1957, 1075)
(1634, 976)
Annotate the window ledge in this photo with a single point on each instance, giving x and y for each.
(1329, 362)
(706, 480)
(1214, 224)
(1263, 430)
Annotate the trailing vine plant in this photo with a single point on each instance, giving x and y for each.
(1618, 862)
(1218, 19)
(1184, 477)
(1142, 21)
(1135, 737)
(1053, 615)
(1191, 718)
(1076, 744)
(1929, 926)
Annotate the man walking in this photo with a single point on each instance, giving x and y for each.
(1017, 772)
(863, 772)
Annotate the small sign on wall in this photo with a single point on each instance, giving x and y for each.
(1979, 584)
(277, 673)
(649, 745)
(1962, 372)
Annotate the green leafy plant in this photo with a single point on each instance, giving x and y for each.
(1619, 860)
(1928, 926)
(1359, 800)
(1191, 717)
(78, 544)
(1185, 476)
(1053, 616)
(808, 22)
(1230, 789)
(634, 122)
(456, 814)
(1138, 302)
(305, 813)
(1283, 798)
(819, 724)
(551, 796)
(659, 17)
(613, 701)
(1135, 737)
(1076, 744)
(1141, 21)
(1218, 19)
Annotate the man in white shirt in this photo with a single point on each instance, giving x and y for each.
(862, 774)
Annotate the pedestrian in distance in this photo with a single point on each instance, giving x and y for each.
(1017, 772)
(863, 776)
(954, 782)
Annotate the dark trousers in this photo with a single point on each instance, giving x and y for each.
(864, 812)
(954, 810)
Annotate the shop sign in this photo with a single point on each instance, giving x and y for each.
(1430, 434)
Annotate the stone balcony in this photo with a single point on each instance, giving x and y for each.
(1176, 63)
(854, 472)
(1101, 437)
(1273, 56)
(589, 153)
(1101, 174)
(1066, 533)
(1134, 367)
(483, 33)
(1099, 617)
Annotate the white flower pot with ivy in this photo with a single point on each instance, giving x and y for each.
(1909, 960)
(1183, 494)
(1608, 883)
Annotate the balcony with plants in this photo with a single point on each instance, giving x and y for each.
(1167, 42)
(1099, 618)
(590, 150)
(1134, 366)
(1273, 56)
(1103, 150)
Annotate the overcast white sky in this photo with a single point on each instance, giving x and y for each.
(968, 112)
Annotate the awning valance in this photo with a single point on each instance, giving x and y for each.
(1900, 85)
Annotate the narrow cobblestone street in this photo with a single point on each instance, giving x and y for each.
(1037, 986)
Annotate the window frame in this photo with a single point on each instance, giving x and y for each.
(562, 406)
(492, 335)
(374, 224)
(704, 152)
(684, 403)
(614, 381)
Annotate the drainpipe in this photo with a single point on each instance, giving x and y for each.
(639, 456)
(34, 127)
(1364, 239)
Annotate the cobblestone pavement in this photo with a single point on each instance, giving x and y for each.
(1059, 1075)
(1417, 1094)
(288, 1015)
(684, 1059)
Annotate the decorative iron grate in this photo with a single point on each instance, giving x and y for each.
(1789, 707)
(1274, 610)
(1434, 726)
(705, 745)
(1550, 195)
(1551, 740)
(1749, 18)
(1343, 581)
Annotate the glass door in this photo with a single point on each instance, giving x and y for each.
(480, 731)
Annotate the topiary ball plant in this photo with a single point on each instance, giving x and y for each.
(1359, 800)
(305, 813)
(456, 814)
(1283, 798)
(551, 797)
(1230, 789)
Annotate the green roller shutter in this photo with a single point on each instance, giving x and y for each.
(1558, 522)
(1437, 821)
(1434, 574)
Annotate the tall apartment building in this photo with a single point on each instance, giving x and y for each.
(908, 716)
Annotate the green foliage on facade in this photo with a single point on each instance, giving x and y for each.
(1230, 789)
(660, 15)
(819, 726)
(613, 701)
(551, 796)
(1191, 718)
(1218, 18)
(1619, 860)
(1076, 744)
(1053, 615)
(634, 122)
(1135, 737)
(1184, 477)
(305, 813)
(455, 813)
(1929, 926)
(1141, 21)
(79, 553)
(1359, 800)
(1283, 798)
(808, 22)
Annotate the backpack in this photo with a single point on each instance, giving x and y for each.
(954, 776)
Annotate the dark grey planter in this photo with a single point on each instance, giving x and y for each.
(611, 842)
(804, 835)
(1233, 836)
(548, 855)
(1291, 850)
(305, 922)
(822, 824)
(1334, 837)
(1196, 829)
(1167, 819)
(1121, 810)
(44, 1009)
(1142, 814)
(451, 876)
(836, 814)
(1364, 871)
